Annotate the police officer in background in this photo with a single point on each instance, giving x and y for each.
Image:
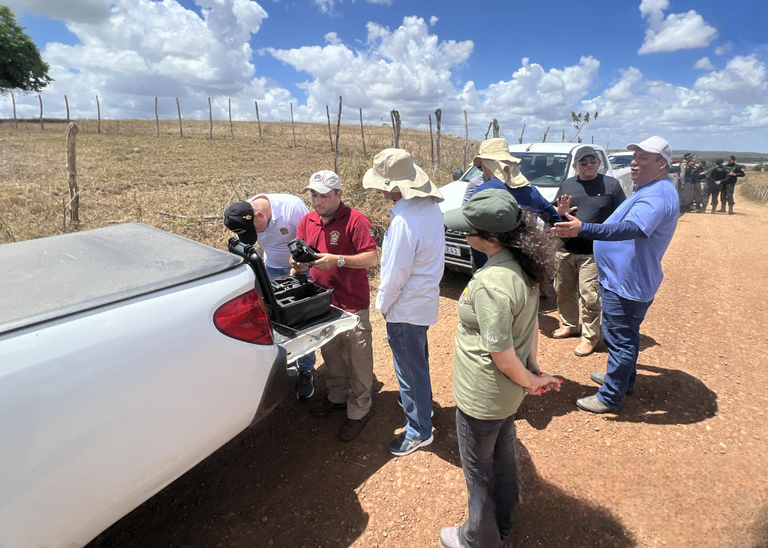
(698, 175)
(685, 183)
(727, 187)
(714, 181)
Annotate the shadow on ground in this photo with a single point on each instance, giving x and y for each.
(662, 396)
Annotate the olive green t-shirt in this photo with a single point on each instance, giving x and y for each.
(497, 311)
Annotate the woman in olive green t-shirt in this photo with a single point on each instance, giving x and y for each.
(496, 336)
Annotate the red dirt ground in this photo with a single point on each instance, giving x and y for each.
(682, 465)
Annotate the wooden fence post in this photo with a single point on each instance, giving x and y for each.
(495, 123)
(362, 131)
(593, 139)
(466, 139)
(293, 127)
(487, 131)
(330, 135)
(15, 120)
(395, 128)
(338, 129)
(74, 192)
(258, 120)
(520, 140)
(178, 108)
(544, 139)
(438, 117)
(563, 138)
(98, 113)
(157, 119)
(40, 97)
(431, 142)
(210, 119)
(231, 129)
(66, 102)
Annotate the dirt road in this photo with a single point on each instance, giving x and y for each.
(682, 465)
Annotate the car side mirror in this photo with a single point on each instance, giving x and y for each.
(457, 173)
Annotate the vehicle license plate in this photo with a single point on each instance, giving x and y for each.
(452, 250)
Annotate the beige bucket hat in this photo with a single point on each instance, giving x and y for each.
(494, 153)
(393, 168)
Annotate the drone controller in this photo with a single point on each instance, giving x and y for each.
(302, 252)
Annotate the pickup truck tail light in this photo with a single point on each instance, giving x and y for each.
(245, 318)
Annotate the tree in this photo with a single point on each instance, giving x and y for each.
(579, 122)
(21, 66)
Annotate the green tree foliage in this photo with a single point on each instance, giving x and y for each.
(21, 66)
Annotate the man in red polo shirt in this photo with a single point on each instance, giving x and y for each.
(344, 238)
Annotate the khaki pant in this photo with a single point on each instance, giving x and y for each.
(577, 277)
(349, 359)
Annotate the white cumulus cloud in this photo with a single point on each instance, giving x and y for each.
(704, 63)
(676, 31)
(80, 11)
(433, 21)
(743, 80)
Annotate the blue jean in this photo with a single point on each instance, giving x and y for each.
(410, 355)
(306, 363)
(489, 461)
(621, 333)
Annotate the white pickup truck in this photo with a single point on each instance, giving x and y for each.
(545, 165)
(127, 356)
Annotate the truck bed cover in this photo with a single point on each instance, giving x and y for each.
(53, 277)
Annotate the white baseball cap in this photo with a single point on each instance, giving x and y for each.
(656, 145)
(323, 182)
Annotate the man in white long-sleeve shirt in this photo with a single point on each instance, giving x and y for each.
(409, 292)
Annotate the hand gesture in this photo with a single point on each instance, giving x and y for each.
(563, 205)
(297, 267)
(568, 229)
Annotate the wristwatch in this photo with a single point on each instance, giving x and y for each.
(340, 262)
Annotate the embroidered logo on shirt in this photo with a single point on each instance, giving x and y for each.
(371, 231)
(490, 338)
(335, 237)
(283, 230)
(463, 294)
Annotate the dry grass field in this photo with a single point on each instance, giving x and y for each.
(758, 177)
(183, 185)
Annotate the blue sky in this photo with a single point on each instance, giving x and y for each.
(690, 70)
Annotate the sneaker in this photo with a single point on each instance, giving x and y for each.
(599, 378)
(325, 406)
(449, 537)
(351, 428)
(402, 446)
(400, 403)
(305, 386)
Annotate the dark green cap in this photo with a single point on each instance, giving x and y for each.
(493, 210)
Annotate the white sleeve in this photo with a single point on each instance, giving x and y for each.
(297, 212)
(397, 257)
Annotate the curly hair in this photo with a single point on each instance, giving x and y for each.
(532, 245)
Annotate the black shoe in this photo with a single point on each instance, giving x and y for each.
(599, 378)
(325, 406)
(730, 210)
(305, 386)
(400, 403)
(352, 428)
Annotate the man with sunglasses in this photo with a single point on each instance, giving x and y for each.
(591, 197)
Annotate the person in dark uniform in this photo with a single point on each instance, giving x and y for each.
(727, 187)
(685, 183)
(698, 175)
(714, 181)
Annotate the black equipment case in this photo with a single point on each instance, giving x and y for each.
(291, 300)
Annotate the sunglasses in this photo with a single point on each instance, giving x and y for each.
(590, 162)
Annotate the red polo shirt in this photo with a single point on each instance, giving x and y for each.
(348, 233)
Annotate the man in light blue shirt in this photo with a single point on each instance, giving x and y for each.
(412, 262)
(628, 250)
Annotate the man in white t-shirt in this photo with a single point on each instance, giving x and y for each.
(273, 220)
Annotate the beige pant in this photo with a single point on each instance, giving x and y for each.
(349, 359)
(577, 277)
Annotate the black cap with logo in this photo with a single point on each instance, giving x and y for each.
(239, 219)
